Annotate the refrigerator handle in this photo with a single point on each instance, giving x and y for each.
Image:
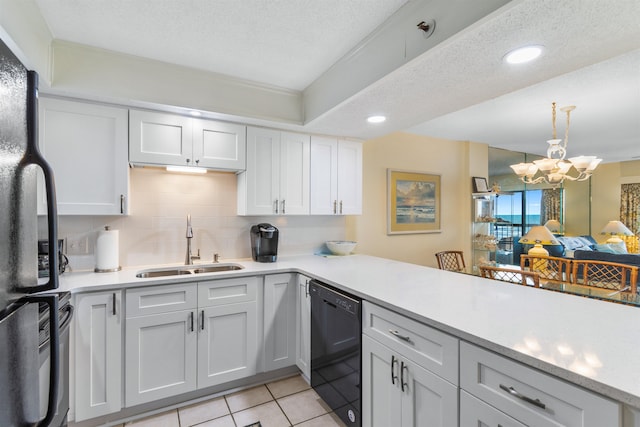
(54, 355)
(33, 156)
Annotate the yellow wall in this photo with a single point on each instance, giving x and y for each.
(403, 151)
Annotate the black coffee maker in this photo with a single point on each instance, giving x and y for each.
(264, 242)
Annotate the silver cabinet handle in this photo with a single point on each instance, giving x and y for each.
(113, 310)
(512, 391)
(191, 316)
(394, 362)
(276, 203)
(283, 207)
(398, 335)
(122, 203)
(306, 288)
(335, 207)
(340, 207)
(402, 383)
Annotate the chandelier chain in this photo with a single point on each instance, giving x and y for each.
(566, 131)
(553, 119)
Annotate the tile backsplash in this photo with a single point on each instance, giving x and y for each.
(154, 231)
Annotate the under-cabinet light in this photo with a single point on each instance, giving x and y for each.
(186, 169)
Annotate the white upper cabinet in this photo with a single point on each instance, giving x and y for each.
(336, 177)
(168, 139)
(276, 181)
(86, 145)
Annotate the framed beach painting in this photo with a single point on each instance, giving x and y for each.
(413, 202)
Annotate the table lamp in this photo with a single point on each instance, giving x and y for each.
(538, 236)
(615, 229)
(554, 226)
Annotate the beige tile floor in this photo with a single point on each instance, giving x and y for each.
(287, 402)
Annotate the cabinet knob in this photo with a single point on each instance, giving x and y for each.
(188, 161)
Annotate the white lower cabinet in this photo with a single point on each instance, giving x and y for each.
(303, 326)
(187, 336)
(160, 342)
(474, 412)
(279, 321)
(227, 343)
(97, 353)
(398, 392)
(160, 356)
(530, 396)
(409, 372)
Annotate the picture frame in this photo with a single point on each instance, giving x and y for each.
(413, 202)
(480, 184)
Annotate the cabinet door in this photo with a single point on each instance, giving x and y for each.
(381, 397)
(258, 187)
(97, 352)
(474, 412)
(349, 178)
(86, 145)
(160, 139)
(160, 356)
(219, 145)
(323, 180)
(427, 399)
(227, 343)
(279, 320)
(294, 174)
(303, 327)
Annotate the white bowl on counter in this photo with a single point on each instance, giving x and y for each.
(341, 247)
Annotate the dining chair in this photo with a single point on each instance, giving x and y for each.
(549, 268)
(451, 261)
(511, 275)
(604, 274)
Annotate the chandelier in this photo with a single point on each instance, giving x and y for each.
(554, 169)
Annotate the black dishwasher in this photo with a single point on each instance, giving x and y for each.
(336, 330)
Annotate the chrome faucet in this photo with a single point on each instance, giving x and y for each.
(188, 260)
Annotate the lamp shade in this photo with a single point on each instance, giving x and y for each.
(553, 225)
(615, 229)
(539, 234)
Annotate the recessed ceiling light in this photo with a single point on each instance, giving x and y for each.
(523, 54)
(376, 119)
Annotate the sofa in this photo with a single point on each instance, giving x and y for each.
(581, 247)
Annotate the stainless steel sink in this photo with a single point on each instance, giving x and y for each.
(161, 273)
(216, 268)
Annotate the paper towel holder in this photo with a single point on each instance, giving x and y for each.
(107, 270)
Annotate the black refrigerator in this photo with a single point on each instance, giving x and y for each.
(19, 307)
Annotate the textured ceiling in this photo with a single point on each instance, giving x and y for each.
(285, 43)
(459, 89)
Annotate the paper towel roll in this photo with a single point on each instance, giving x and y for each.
(107, 255)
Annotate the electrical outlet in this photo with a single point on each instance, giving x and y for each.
(78, 245)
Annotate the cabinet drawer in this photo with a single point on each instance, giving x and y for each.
(227, 291)
(161, 299)
(474, 412)
(530, 396)
(428, 347)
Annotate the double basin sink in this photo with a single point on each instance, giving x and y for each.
(192, 269)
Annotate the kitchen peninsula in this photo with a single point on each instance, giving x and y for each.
(586, 343)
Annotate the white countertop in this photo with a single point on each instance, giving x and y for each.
(591, 343)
